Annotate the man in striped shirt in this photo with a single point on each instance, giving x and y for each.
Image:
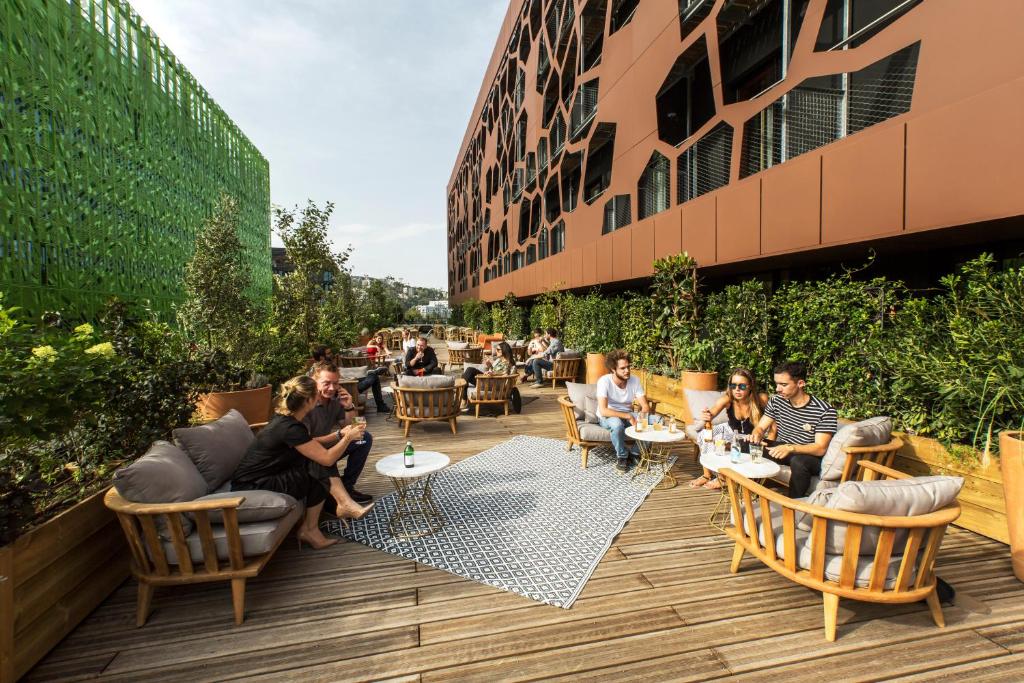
(805, 426)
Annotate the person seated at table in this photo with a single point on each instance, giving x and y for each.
(335, 408)
(318, 354)
(743, 405)
(536, 367)
(537, 346)
(500, 363)
(421, 359)
(378, 346)
(805, 426)
(285, 458)
(616, 393)
(408, 341)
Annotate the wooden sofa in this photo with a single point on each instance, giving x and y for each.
(796, 544)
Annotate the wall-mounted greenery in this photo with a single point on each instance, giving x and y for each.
(508, 318)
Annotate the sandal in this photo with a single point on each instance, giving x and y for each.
(699, 481)
(713, 485)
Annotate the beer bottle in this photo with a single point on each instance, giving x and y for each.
(707, 433)
(408, 454)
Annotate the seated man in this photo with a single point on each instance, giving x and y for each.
(616, 392)
(421, 359)
(537, 366)
(330, 417)
(805, 427)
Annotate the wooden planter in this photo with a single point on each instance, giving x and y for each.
(253, 404)
(667, 392)
(700, 381)
(595, 367)
(1011, 463)
(53, 577)
(981, 499)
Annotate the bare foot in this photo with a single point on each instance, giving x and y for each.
(699, 481)
(713, 485)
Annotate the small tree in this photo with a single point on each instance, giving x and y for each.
(507, 317)
(216, 311)
(476, 315)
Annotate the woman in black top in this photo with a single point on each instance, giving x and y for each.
(743, 405)
(286, 459)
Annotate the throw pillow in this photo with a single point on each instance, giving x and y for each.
(577, 394)
(426, 382)
(216, 448)
(698, 400)
(165, 474)
(458, 346)
(354, 373)
(874, 431)
(567, 354)
(258, 506)
(590, 410)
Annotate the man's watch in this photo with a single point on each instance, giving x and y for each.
(338, 433)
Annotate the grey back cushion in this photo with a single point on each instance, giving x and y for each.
(577, 394)
(216, 448)
(590, 410)
(458, 346)
(874, 431)
(353, 373)
(697, 400)
(426, 382)
(165, 474)
(567, 354)
(258, 506)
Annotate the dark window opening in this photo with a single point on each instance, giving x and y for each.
(584, 109)
(543, 67)
(652, 192)
(571, 170)
(524, 220)
(691, 13)
(867, 19)
(752, 54)
(592, 25)
(704, 166)
(550, 100)
(542, 243)
(552, 203)
(599, 162)
(622, 13)
(531, 254)
(617, 214)
(685, 101)
(558, 238)
(557, 136)
(569, 76)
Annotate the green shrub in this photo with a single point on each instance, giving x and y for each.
(507, 318)
(739, 318)
(640, 335)
(476, 315)
(592, 323)
(547, 311)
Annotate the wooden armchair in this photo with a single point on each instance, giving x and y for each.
(473, 354)
(352, 361)
(563, 370)
(586, 436)
(415, 404)
(151, 565)
(901, 570)
(492, 390)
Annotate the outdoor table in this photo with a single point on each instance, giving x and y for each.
(655, 448)
(758, 471)
(415, 514)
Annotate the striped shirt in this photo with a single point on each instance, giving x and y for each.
(799, 425)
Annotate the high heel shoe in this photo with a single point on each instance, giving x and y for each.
(359, 513)
(328, 542)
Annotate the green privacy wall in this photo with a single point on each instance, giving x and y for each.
(111, 156)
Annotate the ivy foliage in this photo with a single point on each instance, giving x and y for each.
(739, 317)
(507, 317)
(640, 335)
(592, 323)
(476, 315)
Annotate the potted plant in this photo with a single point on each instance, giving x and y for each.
(1011, 462)
(677, 298)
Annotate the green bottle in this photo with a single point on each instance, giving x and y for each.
(408, 454)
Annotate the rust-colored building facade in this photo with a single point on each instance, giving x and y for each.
(753, 134)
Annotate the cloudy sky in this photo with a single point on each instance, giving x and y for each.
(359, 102)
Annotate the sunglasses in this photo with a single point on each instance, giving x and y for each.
(741, 387)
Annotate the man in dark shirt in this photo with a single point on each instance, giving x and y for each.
(420, 360)
(805, 425)
(334, 410)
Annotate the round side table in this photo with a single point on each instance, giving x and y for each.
(655, 446)
(758, 471)
(415, 513)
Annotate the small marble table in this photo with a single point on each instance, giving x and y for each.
(415, 513)
(655, 449)
(758, 471)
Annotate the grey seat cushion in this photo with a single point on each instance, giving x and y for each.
(426, 382)
(577, 394)
(258, 506)
(567, 354)
(257, 537)
(165, 474)
(593, 432)
(458, 346)
(874, 431)
(216, 448)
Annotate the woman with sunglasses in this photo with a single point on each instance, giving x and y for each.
(743, 406)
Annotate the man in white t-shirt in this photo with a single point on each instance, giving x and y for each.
(616, 392)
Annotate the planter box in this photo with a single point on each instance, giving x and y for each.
(667, 392)
(984, 509)
(53, 577)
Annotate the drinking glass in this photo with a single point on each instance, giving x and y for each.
(720, 445)
(756, 451)
(356, 421)
(641, 422)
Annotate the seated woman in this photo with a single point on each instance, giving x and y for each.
(743, 405)
(378, 347)
(286, 459)
(537, 346)
(500, 363)
(408, 340)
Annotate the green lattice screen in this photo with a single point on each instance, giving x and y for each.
(111, 156)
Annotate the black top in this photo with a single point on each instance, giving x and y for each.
(273, 451)
(744, 426)
(428, 364)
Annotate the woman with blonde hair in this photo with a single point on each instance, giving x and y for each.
(743, 405)
(285, 458)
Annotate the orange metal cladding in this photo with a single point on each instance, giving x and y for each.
(949, 163)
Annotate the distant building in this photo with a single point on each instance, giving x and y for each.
(279, 263)
(434, 309)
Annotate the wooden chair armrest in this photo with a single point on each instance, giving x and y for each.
(886, 472)
(115, 502)
(894, 445)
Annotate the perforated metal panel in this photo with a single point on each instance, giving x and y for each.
(704, 166)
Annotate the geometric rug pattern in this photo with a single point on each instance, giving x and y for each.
(521, 516)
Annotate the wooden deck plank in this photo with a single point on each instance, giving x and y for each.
(661, 605)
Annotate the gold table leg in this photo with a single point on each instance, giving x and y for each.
(719, 517)
(650, 455)
(415, 513)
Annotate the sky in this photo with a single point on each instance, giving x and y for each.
(359, 102)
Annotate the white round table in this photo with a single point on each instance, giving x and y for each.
(758, 471)
(415, 513)
(654, 450)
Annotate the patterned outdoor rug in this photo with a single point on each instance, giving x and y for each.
(521, 516)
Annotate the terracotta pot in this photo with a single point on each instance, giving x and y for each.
(702, 381)
(253, 404)
(595, 367)
(1011, 462)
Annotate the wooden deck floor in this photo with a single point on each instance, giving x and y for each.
(661, 606)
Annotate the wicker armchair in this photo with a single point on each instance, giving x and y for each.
(415, 404)
(901, 569)
(491, 390)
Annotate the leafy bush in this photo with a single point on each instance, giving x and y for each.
(476, 315)
(640, 335)
(677, 297)
(592, 323)
(547, 311)
(739, 318)
(507, 318)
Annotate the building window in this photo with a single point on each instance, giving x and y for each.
(850, 23)
(622, 13)
(599, 162)
(617, 213)
(704, 166)
(652, 191)
(558, 238)
(542, 243)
